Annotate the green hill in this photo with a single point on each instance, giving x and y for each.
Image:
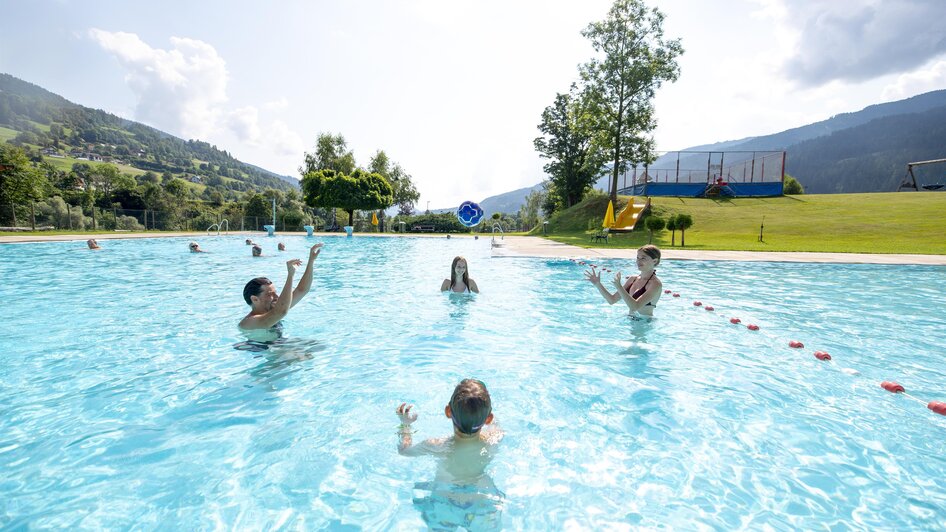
(61, 132)
(907, 222)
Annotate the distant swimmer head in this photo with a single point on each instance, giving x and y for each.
(249, 242)
(194, 247)
(470, 406)
(260, 291)
(92, 243)
(257, 250)
(281, 246)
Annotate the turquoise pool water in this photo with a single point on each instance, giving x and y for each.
(123, 402)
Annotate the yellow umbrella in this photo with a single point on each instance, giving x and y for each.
(608, 217)
(374, 218)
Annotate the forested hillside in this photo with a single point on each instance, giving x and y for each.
(862, 151)
(871, 157)
(61, 132)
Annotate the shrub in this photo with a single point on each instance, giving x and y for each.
(653, 223)
(792, 186)
(683, 222)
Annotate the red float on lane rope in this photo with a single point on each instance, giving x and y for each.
(666, 291)
(938, 407)
(796, 344)
(676, 295)
(821, 355)
(892, 387)
(752, 327)
(735, 321)
(709, 308)
(697, 303)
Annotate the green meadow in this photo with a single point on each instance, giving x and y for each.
(905, 222)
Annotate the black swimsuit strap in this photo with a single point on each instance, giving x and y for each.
(640, 291)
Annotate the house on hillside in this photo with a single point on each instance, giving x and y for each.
(194, 179)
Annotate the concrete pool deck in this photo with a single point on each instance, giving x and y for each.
(535, 247)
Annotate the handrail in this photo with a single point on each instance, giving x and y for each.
(502, 234)
(219, 225)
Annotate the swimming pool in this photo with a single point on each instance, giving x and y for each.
(124, 403)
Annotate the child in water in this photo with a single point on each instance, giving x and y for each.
(462, 495)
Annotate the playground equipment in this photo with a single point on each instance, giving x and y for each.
(707, 174)
(909, 180)
(627, 219)
(270, 229)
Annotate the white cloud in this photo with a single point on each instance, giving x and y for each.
(924, 80)
(284, 141)
(183, 90)
(179, 90)
(276, 105)
(244, 123)
(857, 40)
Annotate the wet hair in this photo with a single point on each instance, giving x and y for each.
(651, 251)
(453, 272)
(253, 288)
(257, 250)
(470, 405)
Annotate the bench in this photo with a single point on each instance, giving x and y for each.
(598, 237)
(424, 228)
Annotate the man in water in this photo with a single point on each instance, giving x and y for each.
(267, 306)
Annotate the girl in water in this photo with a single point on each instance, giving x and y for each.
(640, 292)
(459, 280)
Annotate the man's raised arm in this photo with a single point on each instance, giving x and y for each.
(306, 282)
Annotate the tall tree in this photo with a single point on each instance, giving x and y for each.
(20, 182)
(361, 190)
(529, 212)
(404, 193)
(380, 164)
(107, 178)
(331, 153)
(570, 145)
(635, 59)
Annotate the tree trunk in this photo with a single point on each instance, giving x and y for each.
(33, 215)
(13, 207)
(651, 239)
(683, 238)
(351, 214)
(673, 238)
(93, 219)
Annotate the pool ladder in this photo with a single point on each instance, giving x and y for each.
(220, 225)
(502, 235)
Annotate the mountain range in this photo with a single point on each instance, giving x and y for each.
(861, 151)
(64, 133)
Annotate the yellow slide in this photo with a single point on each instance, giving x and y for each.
(627, 219)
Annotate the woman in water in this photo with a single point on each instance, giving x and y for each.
(459, 280)
(640, 292)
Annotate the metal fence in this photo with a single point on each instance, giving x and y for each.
(55, 214)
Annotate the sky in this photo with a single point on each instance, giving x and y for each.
(454, 91)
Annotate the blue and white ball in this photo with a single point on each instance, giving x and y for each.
(470, 214)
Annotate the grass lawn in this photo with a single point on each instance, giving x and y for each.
(7, 134)
(905, 222)
(65, 164)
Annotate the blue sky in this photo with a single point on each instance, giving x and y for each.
(454, 90)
